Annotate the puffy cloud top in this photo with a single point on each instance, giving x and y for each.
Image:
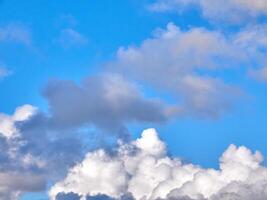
(143, 169)
(150, 143)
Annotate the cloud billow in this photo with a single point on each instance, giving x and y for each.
(179, 62)
(106, 102)
(29, 156)
(142, 169)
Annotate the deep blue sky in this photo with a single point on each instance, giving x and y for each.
(105, 26)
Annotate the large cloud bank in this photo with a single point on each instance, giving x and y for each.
(177, 72)
(183, 64)
(142, 169)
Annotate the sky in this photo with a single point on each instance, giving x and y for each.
(133, 99)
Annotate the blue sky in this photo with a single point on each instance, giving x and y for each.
(210, 78)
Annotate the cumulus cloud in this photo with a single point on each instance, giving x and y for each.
(29, 156)
(178, 62)
(105, 101)
(43, 149)
(8, 123)
(143, 169)
(13, 184)
(174, 61)
(233, 11)
(15, 174)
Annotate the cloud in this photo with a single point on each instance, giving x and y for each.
(175, 61)
(170, 5)
(260, 74)
(69, 196)
(29, 155)
(19, 182)
(16, 33)
(45, 149)
(233, 11)
(253, 41)
(73, 196)
(107, 102)
(16, 175)
(7, 123)
(4, 71)
(143, 169)
(178, 62)
(70, 37)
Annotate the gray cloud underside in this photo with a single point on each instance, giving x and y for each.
(106, 102)
(29, 156)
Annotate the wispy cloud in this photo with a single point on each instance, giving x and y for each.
(4, 72)
(230, 11)
(259, 74)
(17, 33)
(71, 38)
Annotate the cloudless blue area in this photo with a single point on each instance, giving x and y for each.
(34, 197)
(108, 25)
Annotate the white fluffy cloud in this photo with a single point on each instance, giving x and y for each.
(234, 11)
(143, 169)
(179, 62)
(185, 64)
(8, 123)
